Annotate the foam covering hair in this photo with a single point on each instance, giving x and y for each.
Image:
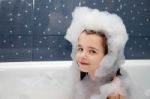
(109, 24)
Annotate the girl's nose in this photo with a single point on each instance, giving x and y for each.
(84, 55)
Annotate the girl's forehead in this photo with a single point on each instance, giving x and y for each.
(90, 40)
(91, 37)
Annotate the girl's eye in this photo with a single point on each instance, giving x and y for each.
(80, 49)
(92, 52)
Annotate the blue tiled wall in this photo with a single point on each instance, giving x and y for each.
(33, 30)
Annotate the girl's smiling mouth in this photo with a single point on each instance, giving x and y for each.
(84, 63)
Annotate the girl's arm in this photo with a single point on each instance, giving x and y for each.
(118, 96)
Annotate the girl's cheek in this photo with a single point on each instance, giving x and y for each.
(76, 56)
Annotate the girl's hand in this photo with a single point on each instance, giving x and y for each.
(117, 97)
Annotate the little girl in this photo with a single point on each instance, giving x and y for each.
(98, 40)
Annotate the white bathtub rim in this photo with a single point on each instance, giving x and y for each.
(65, 64)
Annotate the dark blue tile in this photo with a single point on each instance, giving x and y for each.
(138, 48)
(16, 17)
(15, 48)
(51, 48)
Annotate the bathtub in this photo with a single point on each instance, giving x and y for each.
(53, 79)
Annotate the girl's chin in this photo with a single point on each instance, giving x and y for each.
(84, 69)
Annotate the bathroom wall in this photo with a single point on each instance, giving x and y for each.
(33, 30)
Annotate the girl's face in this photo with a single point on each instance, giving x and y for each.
(90, 52)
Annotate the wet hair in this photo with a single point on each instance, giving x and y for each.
(104, 44)
(82, 74)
